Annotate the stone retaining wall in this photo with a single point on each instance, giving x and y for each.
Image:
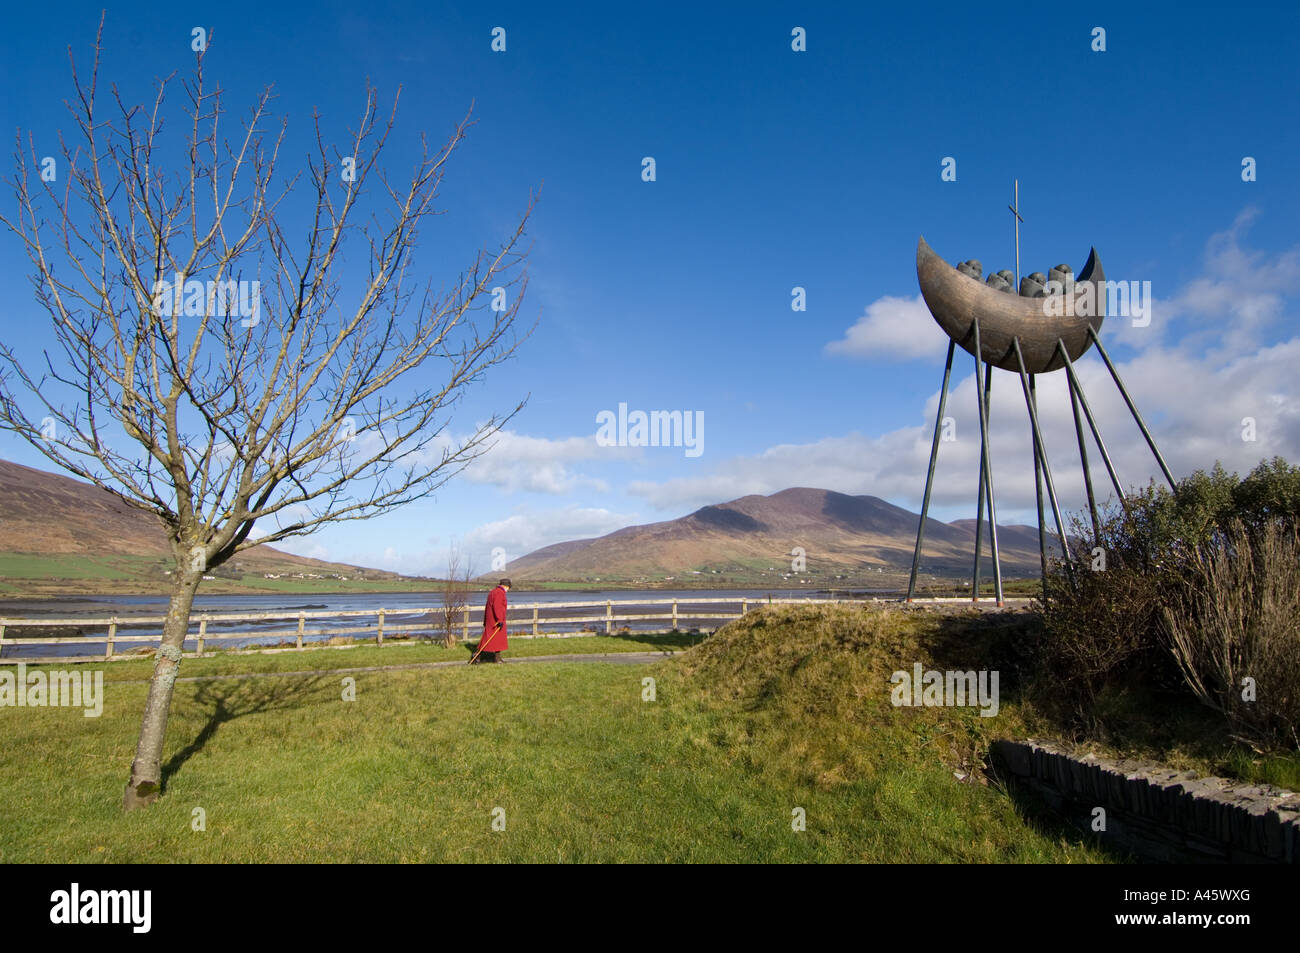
(1155, 812)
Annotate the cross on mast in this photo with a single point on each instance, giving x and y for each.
(1015, 210)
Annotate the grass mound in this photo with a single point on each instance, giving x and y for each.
(811, 686)
(804, 697)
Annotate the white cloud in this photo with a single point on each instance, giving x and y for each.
(892, 327)
(1239, 290)
(1246, 286)
(516, 462)
(307, 548)
(527, 530)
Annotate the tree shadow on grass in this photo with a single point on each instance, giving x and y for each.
(228, 699)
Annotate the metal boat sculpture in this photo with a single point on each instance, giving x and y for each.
(956, 299)
(1044, 327)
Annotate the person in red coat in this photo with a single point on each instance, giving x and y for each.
(493, 642)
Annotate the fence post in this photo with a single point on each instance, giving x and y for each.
(302, 619)
(744, 607)
(674, 615)
(535, 608)
(464, 630)
(203, 630)
(381, 628)
(609, 617)
(112, 635)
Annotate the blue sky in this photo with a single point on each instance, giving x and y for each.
(777, 169)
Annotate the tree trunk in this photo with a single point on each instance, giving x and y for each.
(146, 770)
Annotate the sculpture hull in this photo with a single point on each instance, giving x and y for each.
(956, 300)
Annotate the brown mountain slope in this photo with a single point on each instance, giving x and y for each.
(835, 530)
(46, 514)
(1014, 535)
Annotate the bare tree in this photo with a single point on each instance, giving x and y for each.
(455, 595)
(322, 394)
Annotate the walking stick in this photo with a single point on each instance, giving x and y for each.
(482, 642)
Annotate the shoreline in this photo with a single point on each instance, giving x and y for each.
(947, 587)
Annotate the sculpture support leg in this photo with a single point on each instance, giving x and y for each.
(1133, 409)
(1092, 422)
(988, 467)
(1083, 459)
(1038, 493)
(929, 476)
(981, 495)
(1042, 450)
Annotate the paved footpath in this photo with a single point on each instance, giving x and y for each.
(613, 658)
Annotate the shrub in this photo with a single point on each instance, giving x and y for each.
(1101, 626)
(1237, 616)
(1174, 560)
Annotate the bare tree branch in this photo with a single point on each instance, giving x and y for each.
(217, 368)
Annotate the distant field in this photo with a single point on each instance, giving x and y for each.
(23, 574)
(17, 566)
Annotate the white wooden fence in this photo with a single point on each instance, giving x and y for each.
(387, 623)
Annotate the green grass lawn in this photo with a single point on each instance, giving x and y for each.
(583, 768)
(24, 566)
(62, 574)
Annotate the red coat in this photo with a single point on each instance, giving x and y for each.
(494, 639)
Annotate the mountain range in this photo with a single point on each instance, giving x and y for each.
(761, 536)
(59, 534)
